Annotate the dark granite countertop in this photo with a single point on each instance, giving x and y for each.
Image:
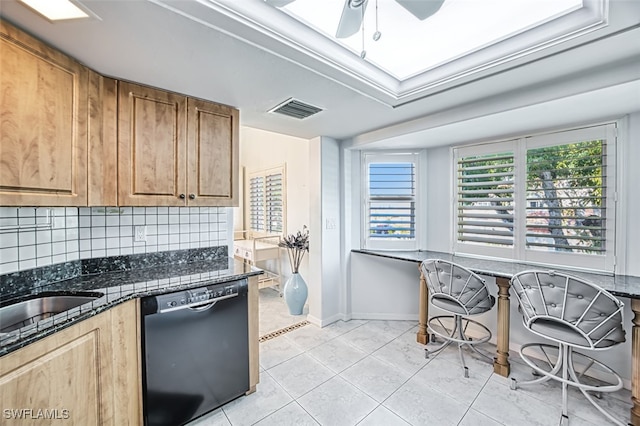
(114, 280)
(618, 285)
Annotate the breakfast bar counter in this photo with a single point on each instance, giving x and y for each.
(502, 271)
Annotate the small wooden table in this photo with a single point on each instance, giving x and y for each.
(502, 271)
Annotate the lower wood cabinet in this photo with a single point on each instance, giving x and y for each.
(91, 373)
(87, 374)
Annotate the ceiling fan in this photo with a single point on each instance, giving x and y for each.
(353, 12)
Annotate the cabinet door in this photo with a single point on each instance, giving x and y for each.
(43, 131)
(213, 154)
(61, 373)
(151, 146)
(87, 374)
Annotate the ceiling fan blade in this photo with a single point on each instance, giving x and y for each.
(350, 20)
(278, 3)
(421, 9)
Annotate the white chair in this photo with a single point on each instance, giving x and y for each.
(574, 314)
(461, 293)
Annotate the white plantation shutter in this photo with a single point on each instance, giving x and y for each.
(274, 207)
(566, 207)
(257, 203)
(267, 200)
(486, 199)
(544, 199)
(390, 201)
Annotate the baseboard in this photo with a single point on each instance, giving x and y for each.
(385, 317)
(325, 322)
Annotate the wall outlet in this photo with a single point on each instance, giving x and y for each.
(141, 233)
(331, 224)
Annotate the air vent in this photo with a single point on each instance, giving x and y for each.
(296, 109)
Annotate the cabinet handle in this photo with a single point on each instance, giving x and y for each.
(192, 196)
(181, 196)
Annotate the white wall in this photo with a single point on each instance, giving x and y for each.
(629, 190)
(439, 200)
(326, 281)
(260, 150)
(382, 288)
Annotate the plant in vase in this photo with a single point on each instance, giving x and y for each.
(295, 289)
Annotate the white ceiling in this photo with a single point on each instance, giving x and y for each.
(210, 51)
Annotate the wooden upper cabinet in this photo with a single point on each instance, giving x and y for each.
(103, 141)
(213, 154)
(72, 137)
(151, 146)
(43, 131)
(174, 150)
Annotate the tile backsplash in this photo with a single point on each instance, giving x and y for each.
(33, 237)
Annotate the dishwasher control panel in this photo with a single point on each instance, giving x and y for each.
(192, 298)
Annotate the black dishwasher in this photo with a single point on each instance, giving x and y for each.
(195, 351)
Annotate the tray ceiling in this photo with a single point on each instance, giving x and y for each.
(462, 41)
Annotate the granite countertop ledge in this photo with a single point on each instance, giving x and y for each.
(618, 285)
(115, 280)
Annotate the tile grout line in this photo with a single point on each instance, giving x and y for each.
(474, 400)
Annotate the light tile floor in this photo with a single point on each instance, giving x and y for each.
(274, 314)
(374, 373)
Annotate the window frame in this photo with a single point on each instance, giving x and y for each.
(414, 157)
(520, 147)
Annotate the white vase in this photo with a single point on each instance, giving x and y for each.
(295, 293)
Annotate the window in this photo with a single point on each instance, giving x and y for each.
(546, 198)
(390, 201)
(267, 200)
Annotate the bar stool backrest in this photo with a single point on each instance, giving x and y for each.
(456, 284)
(568, 309)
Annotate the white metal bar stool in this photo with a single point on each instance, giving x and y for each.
(575, 314)
(461, 293)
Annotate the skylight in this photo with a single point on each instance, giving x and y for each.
(56, 10)
(409, 46)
